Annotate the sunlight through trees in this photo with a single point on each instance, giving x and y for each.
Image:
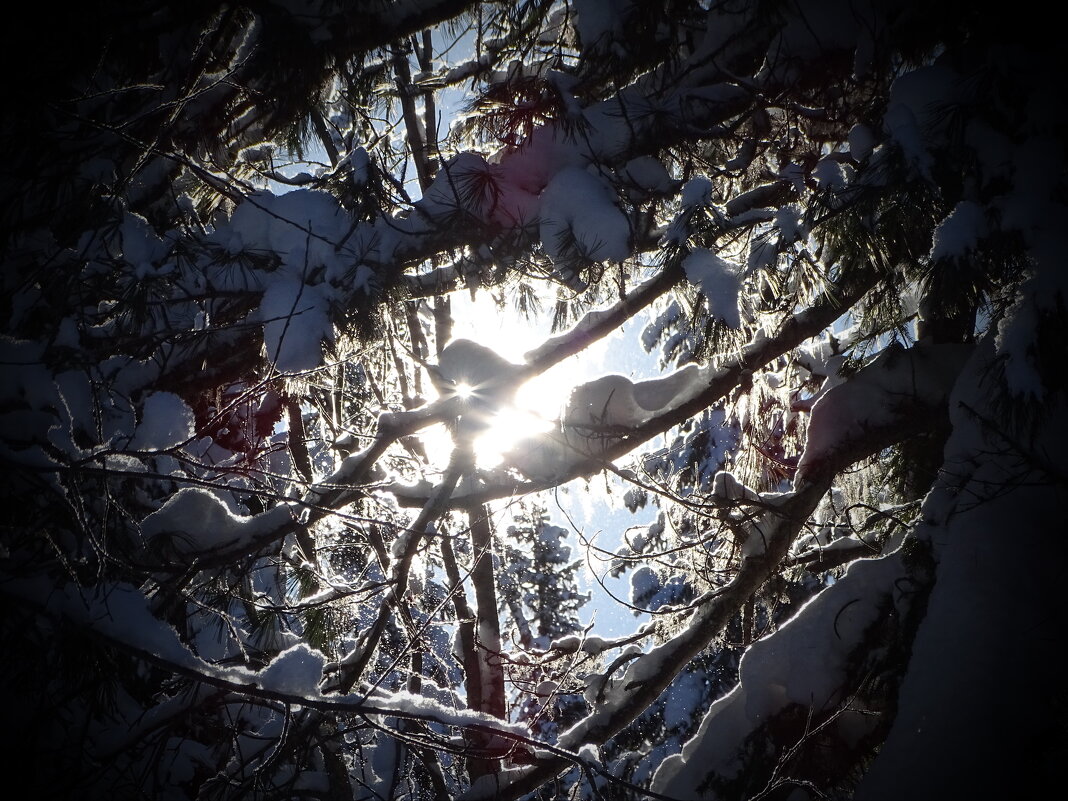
(325, 322)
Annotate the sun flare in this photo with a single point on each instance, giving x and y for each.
(507, 428)
(537, 404)
(463, 391)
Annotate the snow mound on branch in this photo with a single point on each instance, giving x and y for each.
(862, 141)
(617, 402)
(599, 22)
(726, 488)
(643, 583)
(489, 376)
(296, 320)
(553, 543)
(606, 402)
(719, 281)
(872, 397)
(304, 228)
(545, 457)
(465, 185)
(296, 671)
(166, 421)
(804, 663)
(648, 174)
(141, 247)
(649, 591)
(312, 238)
(194, 521)
(953, 710)
(959, 232)
(697, 192)
(598, 415)
(830, 174)
(1016, 343)
(580, 218)
(916, 112)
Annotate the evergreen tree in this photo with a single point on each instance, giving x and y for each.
(251, 542)
(538, 579)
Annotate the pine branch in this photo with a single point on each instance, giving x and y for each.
(772, 533)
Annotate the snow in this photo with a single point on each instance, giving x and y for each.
(27, 380)
(606, 402)
(1015, 343)
(756, 540)
(118, 611)
(986, 655)
(614, 401)
(142, 249)
(648, 174)
(401, 702)
(861, 141)
(829, 174)
(655, 328)
(580, 218)
(121, 613)
(552, 540)
(580, 330)
(166, 422)
(643, 583)
(195, 521)
(400, 545)
(489, 642)
(320, 251)
(871, 397)
(682, 700)
(544, 458)
(588, 754)
(462, 187)
(597, 416)
(359, 162)
(488, 376)
(303, 228)
(960, 232)
(809, 32)
(916, 111)
(296, 320)
(695, 192)
(599, 21)
(648, 591)
(296, 671)
(803, 663)
(1041, 296)
(726, 488)
(635, 499)
(995, 568)
(719, 281)
(788, 219)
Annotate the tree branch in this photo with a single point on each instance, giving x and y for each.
(770, 536)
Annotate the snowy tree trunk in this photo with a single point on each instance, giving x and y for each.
(489, 655)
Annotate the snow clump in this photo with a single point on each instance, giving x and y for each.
(579, 217)
(166, 422)
(719, 281)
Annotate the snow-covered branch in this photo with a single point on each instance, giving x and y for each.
(898, 412)
(119, 615)
(691, 391)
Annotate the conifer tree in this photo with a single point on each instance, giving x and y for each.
(254, 544)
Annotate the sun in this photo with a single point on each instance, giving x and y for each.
(507, 428)
(534, 411)
(463, 391)
(537, 404)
